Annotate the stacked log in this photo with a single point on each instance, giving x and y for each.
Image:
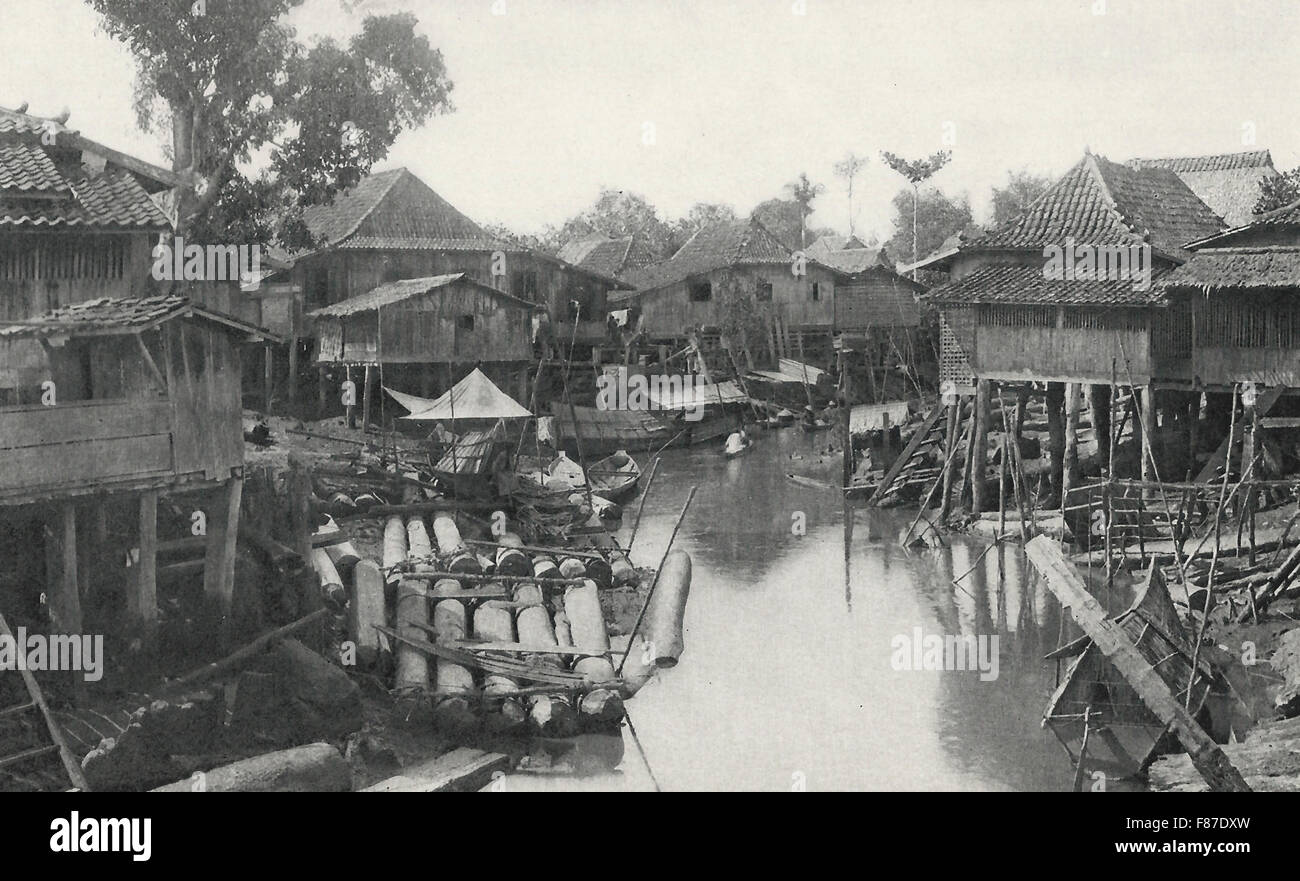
(453, 683)
(366, 609)
(412, 617)
(503, 709)
(394, 548)
(510, 560)
(549, 715)
(452, 551)
(331, 585)
(599, 707)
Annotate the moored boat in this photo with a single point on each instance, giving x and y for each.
(615, 477)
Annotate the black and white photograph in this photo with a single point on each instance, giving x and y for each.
(632, 396)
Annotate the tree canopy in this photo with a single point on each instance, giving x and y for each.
(234, 88)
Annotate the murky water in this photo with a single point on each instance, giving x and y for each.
(787, 679)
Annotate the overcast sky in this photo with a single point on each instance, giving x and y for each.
(555, 98)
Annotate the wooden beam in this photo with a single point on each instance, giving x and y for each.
(1068, 587)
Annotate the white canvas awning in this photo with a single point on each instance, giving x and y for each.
(474, 397)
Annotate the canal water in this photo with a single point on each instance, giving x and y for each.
(790, 679)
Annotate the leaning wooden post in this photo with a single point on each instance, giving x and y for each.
(1110, 638)
(978, 467)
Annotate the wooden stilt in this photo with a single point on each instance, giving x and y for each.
(979, 464)
(366, 400)
(1099, 410)
(322, 392)
(219, 561)
(293, 370)
(963, 492)
(950, 466)
(144, 598)
(1147, 426)
(350, 410)
(1071, 466)
(268, 376)
(64, 592)
(1055, 439)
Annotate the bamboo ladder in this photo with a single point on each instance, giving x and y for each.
(36, 701)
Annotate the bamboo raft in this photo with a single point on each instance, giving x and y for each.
(506, 638)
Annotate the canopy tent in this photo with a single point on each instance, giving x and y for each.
(474, 397)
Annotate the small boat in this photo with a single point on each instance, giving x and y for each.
(738, 448)
(814, 425)
(785, 417)
(615, 477)
(809, 481)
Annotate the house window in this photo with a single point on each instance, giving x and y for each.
(465, 322)
(764, 294)
(816, 291)
(701, 292)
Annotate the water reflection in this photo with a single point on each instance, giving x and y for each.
(787, 681)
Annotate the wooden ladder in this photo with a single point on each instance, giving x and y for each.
(36, 701)
(927, 434)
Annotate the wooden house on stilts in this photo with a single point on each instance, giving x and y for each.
(1067, 295)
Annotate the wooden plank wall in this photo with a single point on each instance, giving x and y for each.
(875, 299)
(203, 375)
(78, 443)
(670, 313)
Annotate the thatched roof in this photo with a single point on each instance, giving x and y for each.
(1227, 182)
(1241, 268)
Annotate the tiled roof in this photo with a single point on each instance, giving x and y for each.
(102, 315)
(731, 243)
(26, 169)
(1286, 218)
(404, 289)
(13, 122)
(34, 192)
(1027, 285)
(1100, 202)
(1217, 162)
(847, 253)
(395, 209)
(109, 315)
(1247, 268)
(1228, 182)
(598, 252)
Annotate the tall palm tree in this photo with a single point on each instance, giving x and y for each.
(916, 171)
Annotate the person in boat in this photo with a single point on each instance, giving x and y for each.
(809, 416)
(736, 441)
